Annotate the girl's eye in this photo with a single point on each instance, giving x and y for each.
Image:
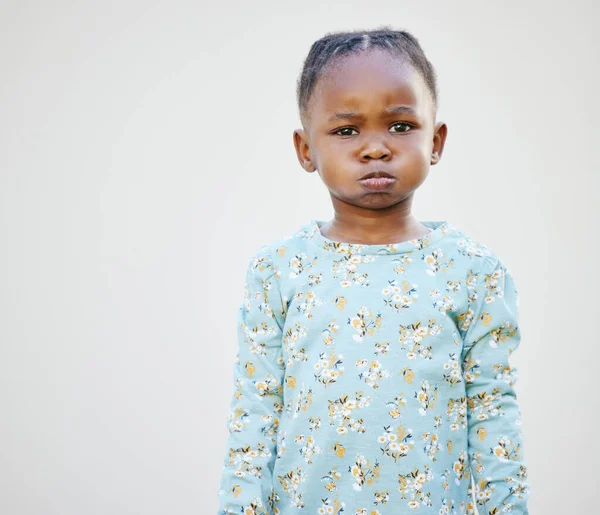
(344, 129)
(405, 125)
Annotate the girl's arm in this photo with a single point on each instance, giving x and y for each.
(257, 401)
(493, 414)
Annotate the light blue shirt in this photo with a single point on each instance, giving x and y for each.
(375, 380)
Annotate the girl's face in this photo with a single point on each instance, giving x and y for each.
(370, 112)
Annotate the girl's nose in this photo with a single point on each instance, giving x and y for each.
(375, 151)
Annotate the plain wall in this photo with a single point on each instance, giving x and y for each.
(146, 151)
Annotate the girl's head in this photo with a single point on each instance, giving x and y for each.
(368, 103)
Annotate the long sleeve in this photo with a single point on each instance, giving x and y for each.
(246, 480)
(494, 419)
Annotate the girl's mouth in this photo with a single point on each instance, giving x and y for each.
(377, 183)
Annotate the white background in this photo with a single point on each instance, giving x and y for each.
(146, 151)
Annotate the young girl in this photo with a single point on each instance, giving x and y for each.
(372, 375)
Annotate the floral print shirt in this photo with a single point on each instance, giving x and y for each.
(375, 380)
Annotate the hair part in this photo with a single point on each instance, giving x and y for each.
(330, 48)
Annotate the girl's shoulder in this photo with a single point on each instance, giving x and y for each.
(478, 252)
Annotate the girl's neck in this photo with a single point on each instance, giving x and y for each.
(373, 230)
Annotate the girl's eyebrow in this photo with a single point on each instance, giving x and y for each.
(397, 109)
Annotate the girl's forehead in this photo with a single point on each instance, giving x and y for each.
(373, 74)
(354, 86)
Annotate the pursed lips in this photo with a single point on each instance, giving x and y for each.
(376, 174)
(377, 181)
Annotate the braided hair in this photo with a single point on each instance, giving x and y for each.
(325, 51)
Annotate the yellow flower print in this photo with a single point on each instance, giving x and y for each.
(399, 296)
(365, 323)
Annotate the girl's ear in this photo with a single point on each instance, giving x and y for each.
(303, 150)
(439, 139)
